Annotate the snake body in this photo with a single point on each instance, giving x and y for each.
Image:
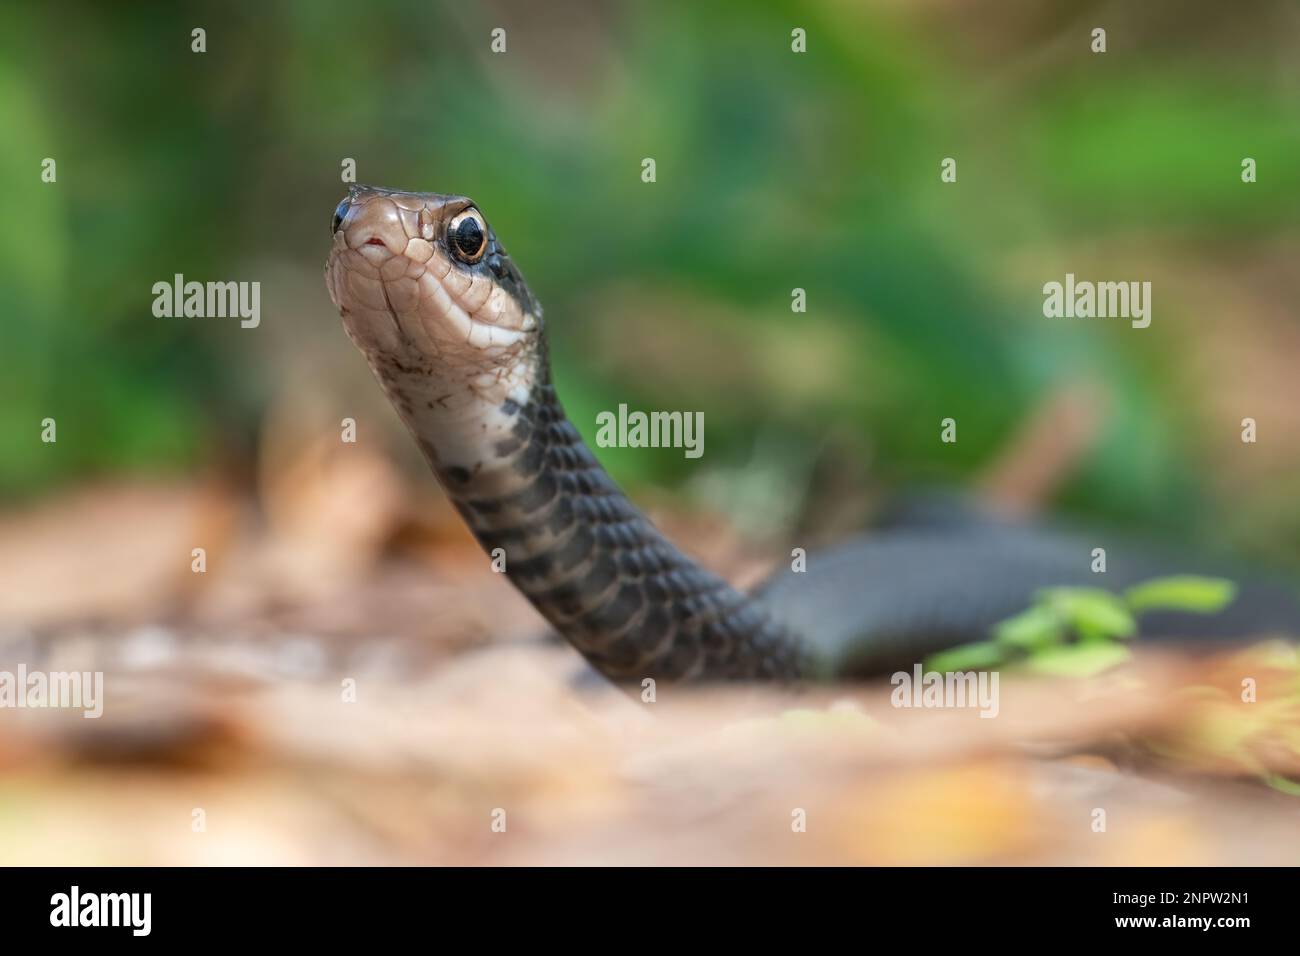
(457, 342)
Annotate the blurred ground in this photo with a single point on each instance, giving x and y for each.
(224, 693)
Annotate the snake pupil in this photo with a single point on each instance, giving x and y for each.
(468, 238)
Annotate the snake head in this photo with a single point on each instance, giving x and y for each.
(423, 284)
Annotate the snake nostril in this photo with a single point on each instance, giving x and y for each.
(339, 213)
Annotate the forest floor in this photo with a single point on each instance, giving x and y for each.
(353, 685)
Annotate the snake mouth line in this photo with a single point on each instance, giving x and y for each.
(475, 331)
(392, 313)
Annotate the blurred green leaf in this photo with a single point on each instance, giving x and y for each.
(1187, 592)
(967, 657)
(1095, 614)
(1283, 784)
(1079, 660)
(1034, 627)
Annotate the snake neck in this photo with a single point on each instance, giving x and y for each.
(540, 503)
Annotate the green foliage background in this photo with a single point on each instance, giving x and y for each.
(775, 170)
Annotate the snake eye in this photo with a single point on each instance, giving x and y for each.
(339, 213)
(467, 236)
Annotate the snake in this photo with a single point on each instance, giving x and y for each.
(456, 340)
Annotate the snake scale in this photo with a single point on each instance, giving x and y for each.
(456, 340)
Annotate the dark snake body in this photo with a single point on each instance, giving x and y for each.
(459, 348)
(624, 596)
(602, 574)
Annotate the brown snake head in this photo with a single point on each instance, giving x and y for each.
(424, 285)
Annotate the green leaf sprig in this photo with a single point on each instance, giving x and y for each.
(1078, 632)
